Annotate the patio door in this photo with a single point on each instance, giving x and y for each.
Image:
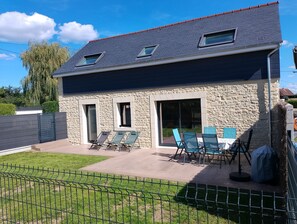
(182, 114)
(91, 122)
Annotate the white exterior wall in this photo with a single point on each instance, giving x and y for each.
(242, 105)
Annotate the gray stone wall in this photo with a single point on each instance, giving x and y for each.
(243, 105)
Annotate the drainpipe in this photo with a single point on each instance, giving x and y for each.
(269, 93)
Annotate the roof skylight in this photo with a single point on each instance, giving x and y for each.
(147, 51)
(217, 38)
(90, 59)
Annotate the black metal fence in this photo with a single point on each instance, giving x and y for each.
(36, 195)
(23, 130)
(292, 181)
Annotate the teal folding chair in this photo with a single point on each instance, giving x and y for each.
(211, 148)
(210, 130)
(178, 142)
(130, 141)
(192, 147)
(116, 140)
(229, 133)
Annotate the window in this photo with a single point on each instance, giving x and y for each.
(147, 51)
(125, 114)
(217, 38)
(90, 59)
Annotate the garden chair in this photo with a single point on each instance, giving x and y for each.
(212, 148)
(191, 145)
(229, 133)
(179, 142)
(244, 148)
(210, 130)
(116, 140)
(130, 141)
(101, 138)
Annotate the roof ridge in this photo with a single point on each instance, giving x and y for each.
(190, 20)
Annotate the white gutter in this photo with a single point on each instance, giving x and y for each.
(167, 61)
(269, 93)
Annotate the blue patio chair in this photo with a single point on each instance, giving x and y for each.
(211, 148)
(116, 140)
(178, 142)
(229, 133)
(130, 141)
(191, 145)
(101, 138)
(210, 130)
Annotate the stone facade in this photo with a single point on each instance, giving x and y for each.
(243, 105)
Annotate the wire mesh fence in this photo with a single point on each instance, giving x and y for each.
(37, 195)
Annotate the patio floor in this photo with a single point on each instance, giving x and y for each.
(156, 163)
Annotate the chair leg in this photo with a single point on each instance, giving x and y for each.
(245, 153)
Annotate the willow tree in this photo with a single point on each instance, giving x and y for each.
(41, 60)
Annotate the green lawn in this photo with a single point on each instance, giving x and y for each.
(51, 160)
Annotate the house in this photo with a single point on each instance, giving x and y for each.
(28, 110)
(221, 70)
(285, 93)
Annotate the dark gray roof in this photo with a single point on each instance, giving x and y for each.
(256, 26)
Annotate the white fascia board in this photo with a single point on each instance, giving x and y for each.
(168, 61)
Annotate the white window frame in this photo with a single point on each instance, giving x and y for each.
(178, 96)
(117, 115)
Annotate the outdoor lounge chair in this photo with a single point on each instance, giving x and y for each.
(244, 148)
(210, 130)
(211, 147)
(229, 133)
(130, 141)
(191, 145)
(179, 142)
(99, 142)
(116, 140)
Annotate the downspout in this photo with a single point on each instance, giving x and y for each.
(269, 93)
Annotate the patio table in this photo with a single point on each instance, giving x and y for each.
(224, 143)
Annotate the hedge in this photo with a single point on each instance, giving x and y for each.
(50, 107)
(7, 109)
(293, 102)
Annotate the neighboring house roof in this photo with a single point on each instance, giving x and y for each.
(285, 92)
(257, 28)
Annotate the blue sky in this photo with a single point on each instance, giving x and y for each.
(73, 22)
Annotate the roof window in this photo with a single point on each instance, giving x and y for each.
(217, 38)
(90, 59)
(147, 51)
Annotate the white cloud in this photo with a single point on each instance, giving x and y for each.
(292, 67)
(292, 87)
(76, 32)
(287, 43)
(22, 28)
(7, 56)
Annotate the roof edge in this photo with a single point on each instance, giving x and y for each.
(186, 21)
(168, 61)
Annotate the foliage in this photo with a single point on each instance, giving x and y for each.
(293, 102)
(7, 109)
(41, 60)
(13, 96)
(50, 107)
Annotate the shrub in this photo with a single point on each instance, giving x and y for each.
(7, 109)
(50, 107)
(293, 102)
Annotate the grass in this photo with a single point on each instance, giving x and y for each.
(48, 197)
(51, 160)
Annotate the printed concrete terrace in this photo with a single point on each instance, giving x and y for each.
(156, 163)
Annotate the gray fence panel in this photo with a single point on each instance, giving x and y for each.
(61, 125)
(47, 127)
(18, 131)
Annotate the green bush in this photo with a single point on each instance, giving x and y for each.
(7, 109)
(50, 107)
(293, 102)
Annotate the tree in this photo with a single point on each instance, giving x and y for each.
(41, 60)
(12, 95)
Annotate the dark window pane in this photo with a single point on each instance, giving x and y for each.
(125, 113)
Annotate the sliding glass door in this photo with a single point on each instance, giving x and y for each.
(182, 114)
